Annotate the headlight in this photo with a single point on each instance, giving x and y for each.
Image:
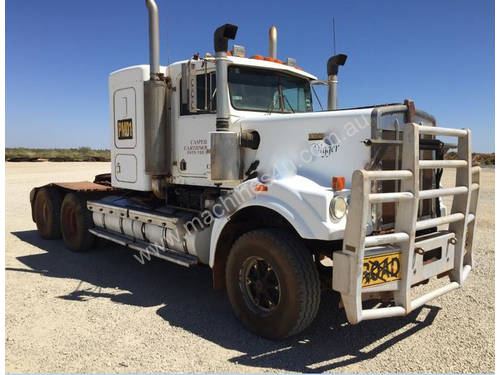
(338, 208)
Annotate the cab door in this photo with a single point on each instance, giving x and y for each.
(193, 129)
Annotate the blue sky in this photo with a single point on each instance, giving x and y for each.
(59, 54)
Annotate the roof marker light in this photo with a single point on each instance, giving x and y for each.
(238, 51)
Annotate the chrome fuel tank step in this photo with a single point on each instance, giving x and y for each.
(185, 260)
(163, 227)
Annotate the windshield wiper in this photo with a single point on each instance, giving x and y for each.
(316, 95)
(287, 102)
(271, 106)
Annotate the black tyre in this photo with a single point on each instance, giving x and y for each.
(272, 283)
(76, 221)
(46, 209)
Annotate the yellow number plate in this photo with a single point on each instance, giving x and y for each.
(125, 129)
(381, 269)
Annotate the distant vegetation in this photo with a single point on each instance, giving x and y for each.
(56, 154)
(88, 154)
(477, 158)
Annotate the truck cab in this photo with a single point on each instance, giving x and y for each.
(257, 88)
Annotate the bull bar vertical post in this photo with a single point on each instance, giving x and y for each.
(407, 211)
(461, 205)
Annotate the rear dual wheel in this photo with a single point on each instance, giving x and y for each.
(68, 218)
(76, 220)
(46, 212)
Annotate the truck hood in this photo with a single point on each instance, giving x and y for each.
(315, 145)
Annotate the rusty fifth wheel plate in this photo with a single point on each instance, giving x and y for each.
(381, 269)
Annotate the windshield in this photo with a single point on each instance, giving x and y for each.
(263, 90)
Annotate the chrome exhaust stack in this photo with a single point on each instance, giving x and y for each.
(154, 40)
(224, 144)
(273, 42)
(332, 69)
(156, 150)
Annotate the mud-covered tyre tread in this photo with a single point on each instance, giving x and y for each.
(85, 240)
(53, 230)
(300, 258)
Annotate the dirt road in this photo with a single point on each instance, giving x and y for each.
(103, 311)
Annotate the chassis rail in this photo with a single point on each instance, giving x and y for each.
(454, 245)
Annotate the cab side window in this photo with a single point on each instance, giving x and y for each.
(205, 95)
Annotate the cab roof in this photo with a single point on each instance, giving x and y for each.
(242, 61)
(270, 65)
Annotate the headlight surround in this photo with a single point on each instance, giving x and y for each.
(338, 207)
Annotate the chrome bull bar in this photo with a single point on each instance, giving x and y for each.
(453, 246)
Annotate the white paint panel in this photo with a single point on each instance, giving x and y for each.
(126, 168)
(126, 101)
(294, 144)
(193, 140)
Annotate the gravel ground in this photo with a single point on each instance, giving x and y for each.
(103, 311)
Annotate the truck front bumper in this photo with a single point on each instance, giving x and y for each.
(395, 262)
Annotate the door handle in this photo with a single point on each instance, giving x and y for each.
(118, 168)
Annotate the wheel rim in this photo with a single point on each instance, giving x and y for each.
(69, 222)
(260, 285)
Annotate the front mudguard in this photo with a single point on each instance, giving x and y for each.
(300, 201)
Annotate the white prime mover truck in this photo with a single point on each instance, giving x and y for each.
(220, 160)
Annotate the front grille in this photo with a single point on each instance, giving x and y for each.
(389, 158)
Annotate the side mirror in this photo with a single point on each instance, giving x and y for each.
(189, 89)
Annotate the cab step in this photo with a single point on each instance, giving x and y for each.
(186, 260)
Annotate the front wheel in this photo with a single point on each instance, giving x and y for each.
(272, 283)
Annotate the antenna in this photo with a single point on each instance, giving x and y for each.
(168, 39)
(334, 39)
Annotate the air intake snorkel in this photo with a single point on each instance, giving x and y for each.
(224, 144)
(332, 69)
(221, 37)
